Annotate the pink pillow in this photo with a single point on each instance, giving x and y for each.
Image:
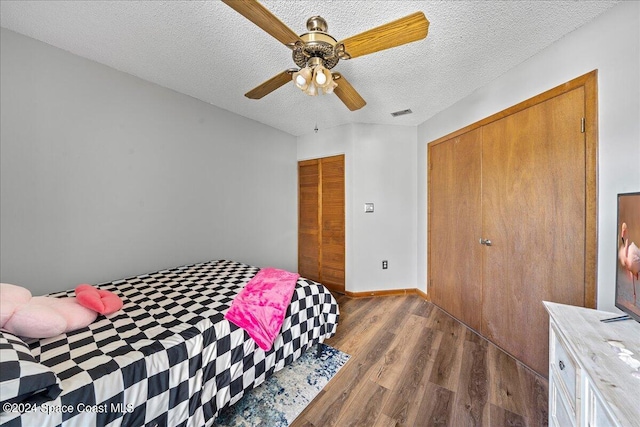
(104, 302)
(45, 317)
(40, 317)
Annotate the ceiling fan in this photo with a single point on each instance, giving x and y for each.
(316, 52)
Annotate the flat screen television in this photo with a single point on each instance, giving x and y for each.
(628, 255)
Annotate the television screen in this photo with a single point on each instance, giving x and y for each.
(628, 262)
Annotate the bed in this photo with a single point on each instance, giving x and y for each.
(168, 358)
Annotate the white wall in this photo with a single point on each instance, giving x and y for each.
(380, 167)
(611, 44)
(104, 175)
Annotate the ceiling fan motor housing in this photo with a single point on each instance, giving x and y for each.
(317, 23)
(316, 44)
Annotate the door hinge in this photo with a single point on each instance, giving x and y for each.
(582, 125)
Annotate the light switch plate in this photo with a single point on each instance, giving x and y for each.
(368, 207)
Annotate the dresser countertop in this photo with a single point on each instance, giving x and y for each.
(609, 353)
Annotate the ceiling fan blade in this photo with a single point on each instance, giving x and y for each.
(347, 93)
(270, 85)
(263, 18)
(409, 29)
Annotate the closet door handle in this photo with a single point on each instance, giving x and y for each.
(485, 242)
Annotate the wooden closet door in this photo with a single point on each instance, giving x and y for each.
(321, 221)
(455, 218)
(309, 219)
(332, 264)
(533, 210)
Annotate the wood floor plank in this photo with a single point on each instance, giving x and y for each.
(408, 388)
(391, 366)
(325, 409)
(505, 390)
(440, 320)
(366, 414)
(423, 308)
(351, 317)
(371, 322)
(446, 368)
(341, 389)
(470, 408)
(384, 421)
(535, 391)
(503, 417)
(397, 345)
(305, 423)
(436, 407)
(473, 336)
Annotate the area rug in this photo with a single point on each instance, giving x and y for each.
(283, 396)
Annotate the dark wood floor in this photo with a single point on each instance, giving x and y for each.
(413, 365)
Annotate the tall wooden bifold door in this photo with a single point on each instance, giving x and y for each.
(321, 221)
(309, 219)
(456, 221)
(533, 211)
(512, 218)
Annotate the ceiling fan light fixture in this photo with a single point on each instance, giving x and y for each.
(321, 76)
(311, 90)
(301, 82)
(329, 88)
(320, 79)
(314, 79)
(302, 78)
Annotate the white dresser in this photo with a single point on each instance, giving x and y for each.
(593, 375)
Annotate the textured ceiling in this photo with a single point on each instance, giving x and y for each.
(208, 51)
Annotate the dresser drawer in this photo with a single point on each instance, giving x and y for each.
(564, 368)
(596, 415)
(559, 415)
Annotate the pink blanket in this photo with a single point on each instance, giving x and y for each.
(260, 307)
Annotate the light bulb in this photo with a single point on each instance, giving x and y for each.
(322, 79)
(300, 80)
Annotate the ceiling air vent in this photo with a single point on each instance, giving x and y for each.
(401, 112)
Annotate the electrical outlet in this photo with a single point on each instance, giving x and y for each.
(385, 264)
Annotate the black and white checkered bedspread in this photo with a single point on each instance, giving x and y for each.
(169, 358)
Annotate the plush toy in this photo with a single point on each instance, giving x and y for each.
(42, 317)
(104, 302)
